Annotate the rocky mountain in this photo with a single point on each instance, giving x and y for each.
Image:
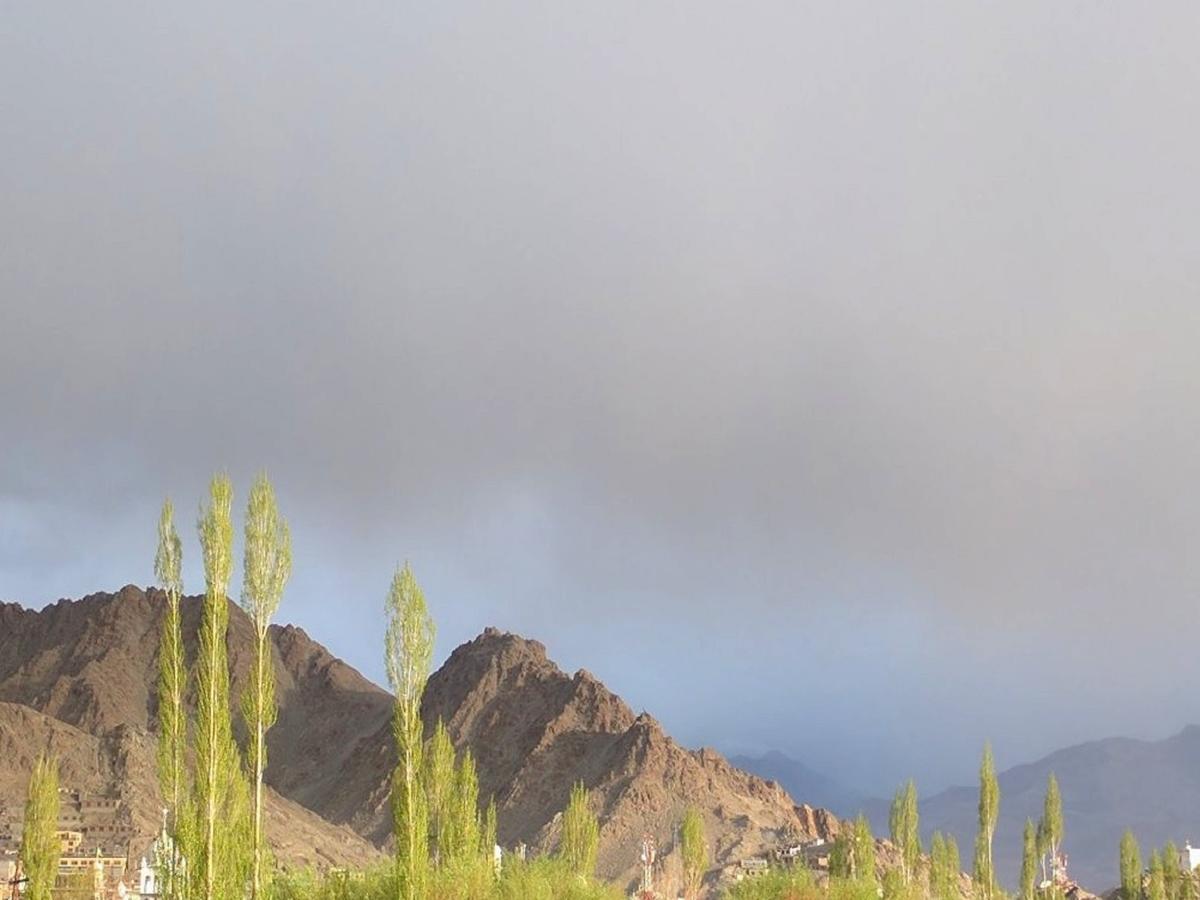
(1152, 787)
(801, 781)
(535, 730)
(79, 676)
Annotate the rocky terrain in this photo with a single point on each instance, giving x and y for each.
(78, 676)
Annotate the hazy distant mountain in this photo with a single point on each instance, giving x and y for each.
(1109, 785)
(804, 784)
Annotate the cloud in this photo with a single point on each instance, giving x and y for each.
(872, 328)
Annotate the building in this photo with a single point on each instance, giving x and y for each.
(1189, 857)
(94, 833)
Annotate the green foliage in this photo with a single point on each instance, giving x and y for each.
(1157, 889)
(464, 809)
(904, 822)
(693, 851)
(580, 834)
(1131, 867)
(1172, 871)
(172, 685)
(542, 879)
(852, 857)
(408, 655)
(267, 564)
(943, 868)
(864, 852)
(487, 837)
(39, 839)
(439, 790)
(796, 884)
(219, 861)
(859, 889)
(1050, 826)
(989, 811)
(1029, 854)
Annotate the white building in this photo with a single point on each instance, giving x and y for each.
(1189, 857)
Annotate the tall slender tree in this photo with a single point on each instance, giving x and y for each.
(864, 852)
(580, 834)
(841, 855)
(1050, 827)
(1131, 867)
(172, 685)
(439, 791)
(487, 834)
(267, 565)
(408, 655)
(953, 858)
(937, 867)
(1157, 889)
(40, 846)
(219, 861)
(1028, 861)
(944, 867)
(1172, 871)
(464, 811)
(693, 851)
(989, 811)
(904, 821)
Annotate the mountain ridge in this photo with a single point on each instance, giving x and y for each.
(90, 666)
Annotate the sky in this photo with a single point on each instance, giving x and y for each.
(821, 376)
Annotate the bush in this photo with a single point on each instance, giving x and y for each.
(794, 885)
(542, 879)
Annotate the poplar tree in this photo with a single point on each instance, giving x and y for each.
(487, 835)
(464, 811)
(219, 860)
(1172, 871)
(864, 852)
(1158, 888)
(904, 822)
(408, 655)
(693, 852)
(953, 860)
(439, 790)
(1131, 867)
(944, 867)
(40, 846)
(1050, 828)
(580, 834)
(937, 866)
(267, 564)
(841, 855)
(1028, 861)
(172, 684)
(989, 811)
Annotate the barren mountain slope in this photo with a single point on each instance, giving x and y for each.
(121, 763)
(534, 730)
(93, 663)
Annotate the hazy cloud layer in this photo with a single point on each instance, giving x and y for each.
(822, 376)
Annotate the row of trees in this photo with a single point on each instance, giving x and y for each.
(1167, 877)
(215, 846)
(215, 804)
(1042, 841)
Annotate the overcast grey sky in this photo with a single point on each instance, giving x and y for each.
(822, 376)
